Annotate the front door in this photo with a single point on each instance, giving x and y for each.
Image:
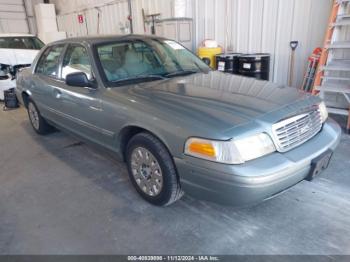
(81, 106)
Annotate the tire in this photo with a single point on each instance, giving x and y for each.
(152, 171)
(38, 123)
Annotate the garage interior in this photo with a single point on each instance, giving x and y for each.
(59, 195)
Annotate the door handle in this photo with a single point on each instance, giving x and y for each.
(57, 93)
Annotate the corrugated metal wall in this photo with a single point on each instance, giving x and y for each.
(103, 19)
(238, 25)
(165, 7)
(17, 16)
(13, 17)
(266, 26)
(112, 15)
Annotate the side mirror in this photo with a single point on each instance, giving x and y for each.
(78, 79)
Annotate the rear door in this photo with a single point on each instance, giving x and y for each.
(45, 80)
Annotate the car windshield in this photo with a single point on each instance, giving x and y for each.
(146, 60)
(21, 43)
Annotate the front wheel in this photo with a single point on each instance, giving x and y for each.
(38, 123)
(152, 171)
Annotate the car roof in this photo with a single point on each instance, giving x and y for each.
(16, 35)
(105, 38)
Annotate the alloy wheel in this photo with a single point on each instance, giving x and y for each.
(146, 171)
(34, 116)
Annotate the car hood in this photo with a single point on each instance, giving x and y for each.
(17, 56)
(219, 101)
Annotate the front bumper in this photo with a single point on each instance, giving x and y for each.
(257, 179)
(6, 84)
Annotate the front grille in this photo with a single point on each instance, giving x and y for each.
(292, 132)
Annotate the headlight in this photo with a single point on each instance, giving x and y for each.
(230, 152)
(323, 111)
(4, 70)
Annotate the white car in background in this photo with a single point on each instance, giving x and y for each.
(16, 51)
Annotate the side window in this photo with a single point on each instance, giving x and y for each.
(76, 59)
(49, 61)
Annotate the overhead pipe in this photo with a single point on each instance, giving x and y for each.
(130, 16)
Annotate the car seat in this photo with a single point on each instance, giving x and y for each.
(135, 64)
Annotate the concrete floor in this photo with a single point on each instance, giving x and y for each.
(59, 196)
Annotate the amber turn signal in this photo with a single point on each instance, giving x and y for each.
(202, 148)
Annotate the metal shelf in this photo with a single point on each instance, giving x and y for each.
(338, 78)
(344, 89)
(338, 111)
(335, 65)
(341, 23)
(341, 20)
(344, 16)
(339, 45)
(325, 82)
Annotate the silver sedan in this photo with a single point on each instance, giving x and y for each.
(179, 126)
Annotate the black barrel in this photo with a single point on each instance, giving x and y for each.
(10, 98)
(228, 62)
(255, 65)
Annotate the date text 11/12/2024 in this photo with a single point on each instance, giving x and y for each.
(173, 258)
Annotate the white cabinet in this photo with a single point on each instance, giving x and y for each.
(46, 23)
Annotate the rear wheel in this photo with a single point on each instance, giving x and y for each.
(38, 123)
(152, 171)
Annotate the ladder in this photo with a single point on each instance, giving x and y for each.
(332, 80)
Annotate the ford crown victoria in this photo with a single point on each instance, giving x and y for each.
(178, 125)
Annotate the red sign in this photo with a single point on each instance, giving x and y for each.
(81, 19)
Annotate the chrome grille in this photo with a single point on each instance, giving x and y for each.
(294, 131)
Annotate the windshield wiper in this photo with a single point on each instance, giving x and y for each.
(140, 78)
(181, 73)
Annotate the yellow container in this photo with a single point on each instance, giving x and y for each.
(209, 53)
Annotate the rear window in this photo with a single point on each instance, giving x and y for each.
(21, 43)
(49, 61)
